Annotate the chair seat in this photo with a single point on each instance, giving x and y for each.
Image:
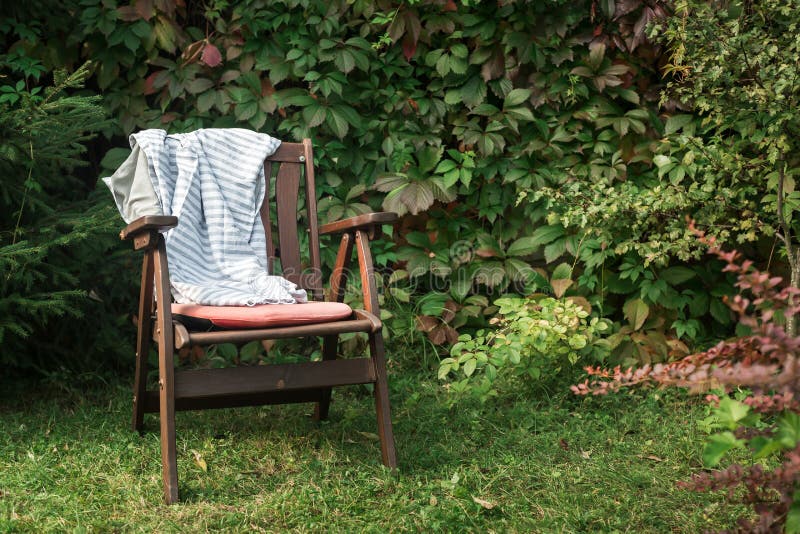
(199, 317)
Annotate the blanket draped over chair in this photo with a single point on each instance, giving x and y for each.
(213, 181)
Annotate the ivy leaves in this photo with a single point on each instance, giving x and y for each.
(416, 189)
(536, 152)
(600, 70)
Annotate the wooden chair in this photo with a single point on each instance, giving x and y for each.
(270, 384)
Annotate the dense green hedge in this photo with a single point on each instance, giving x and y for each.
(503, 130)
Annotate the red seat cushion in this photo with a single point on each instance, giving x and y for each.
(265, 315)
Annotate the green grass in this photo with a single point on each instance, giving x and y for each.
(550, 463)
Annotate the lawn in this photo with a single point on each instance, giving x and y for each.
(546, 462)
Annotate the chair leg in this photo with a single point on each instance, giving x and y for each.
(330, 346)
(139, 383)
(143, 341)
(166, 376)
(169, 461)
(381, 392)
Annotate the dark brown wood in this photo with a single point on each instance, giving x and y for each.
(288, 152)
(266, 217)
(234, 400)
(367, 316)
(295, 159)
(277, 377)
(143, 334)
(283, 332)
(359, 222)
(340, 268)
(381, 389)
(147, 223)
(310, 280)
(181, 335)
(287, 186)
(382, 410)
(330, 345)
(315, 272)
(145, 240)
(367, 271)
(166, 375)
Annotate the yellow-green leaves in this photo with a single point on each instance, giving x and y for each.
(636, 312)
(531, 338)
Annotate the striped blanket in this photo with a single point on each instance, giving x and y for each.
(213, 181)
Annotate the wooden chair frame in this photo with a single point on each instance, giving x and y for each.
(271, 384)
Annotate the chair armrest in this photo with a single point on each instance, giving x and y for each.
(148, 223)
(359, 222)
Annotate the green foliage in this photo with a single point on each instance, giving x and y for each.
(513, 136)
(532, 339)
(736, 64)
(728, 415)
(743, 87)
(33, 154)
(56, 240)
(759, 368)
(451, 113)
(765, 436)
(730, 165)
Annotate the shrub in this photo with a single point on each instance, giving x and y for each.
(532, 339)
(57, 240)
(762, 365)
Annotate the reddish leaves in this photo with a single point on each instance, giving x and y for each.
(495, 66)
(168, 7)
(409, 46)
(207, 53)
(149, 83)
(127, 13)
(438, 329)
(145, 9)
(211, 55)
(767, 362)
(141, 9)
(768, 491)
(408, 26)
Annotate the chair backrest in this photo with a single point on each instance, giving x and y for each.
(288, 165)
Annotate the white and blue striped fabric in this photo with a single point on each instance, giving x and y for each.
(213, 181)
